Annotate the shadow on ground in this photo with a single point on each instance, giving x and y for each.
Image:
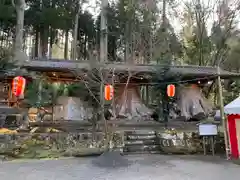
(113, 159)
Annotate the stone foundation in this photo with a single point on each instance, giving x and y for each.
(187, 142)
(168, 142)
(53, 145)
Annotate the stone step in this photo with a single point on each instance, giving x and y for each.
(142, 142)
(142, 152)
(138, 148)
(140, 132)
(140, 137)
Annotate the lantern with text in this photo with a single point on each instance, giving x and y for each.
(108, 92)
(18, 86)
(171, 90)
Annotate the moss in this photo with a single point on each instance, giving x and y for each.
(53, 145)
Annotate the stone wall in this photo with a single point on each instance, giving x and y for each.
(187, 142)
(53, 145)
(46, 145)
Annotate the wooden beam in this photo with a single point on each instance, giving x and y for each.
(67, 66)
(74, 66)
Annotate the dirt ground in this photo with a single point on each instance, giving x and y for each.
(141, 167)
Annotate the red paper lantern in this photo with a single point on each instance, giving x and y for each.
(18, 86)
(171, 90)
(108, 92)
(194, 86)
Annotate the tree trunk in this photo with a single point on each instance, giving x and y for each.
(44, 41)
(36, 47)
(85, 47)
(66, 45)
(103, 32)
(24, 41)
(51, 41)
(127, 42)
(75, 34)
(20, 8)
(2, 39)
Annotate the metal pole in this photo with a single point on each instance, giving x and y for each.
(222, 113)
(212, 146)
(204, 146)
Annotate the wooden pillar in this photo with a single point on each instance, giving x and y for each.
(147, 94)
(40, 92)
(165, 102)
(9, 95)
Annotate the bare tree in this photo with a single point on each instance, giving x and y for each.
(98, 75)
(210, 49)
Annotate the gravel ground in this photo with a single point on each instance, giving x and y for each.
(142, 167)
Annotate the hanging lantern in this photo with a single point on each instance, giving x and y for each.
(18, 86)
(108, 93)
(194, 86)
(171, 90)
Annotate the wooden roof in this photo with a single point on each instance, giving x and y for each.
(58, 65)
(69, 70)
(200, 71)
